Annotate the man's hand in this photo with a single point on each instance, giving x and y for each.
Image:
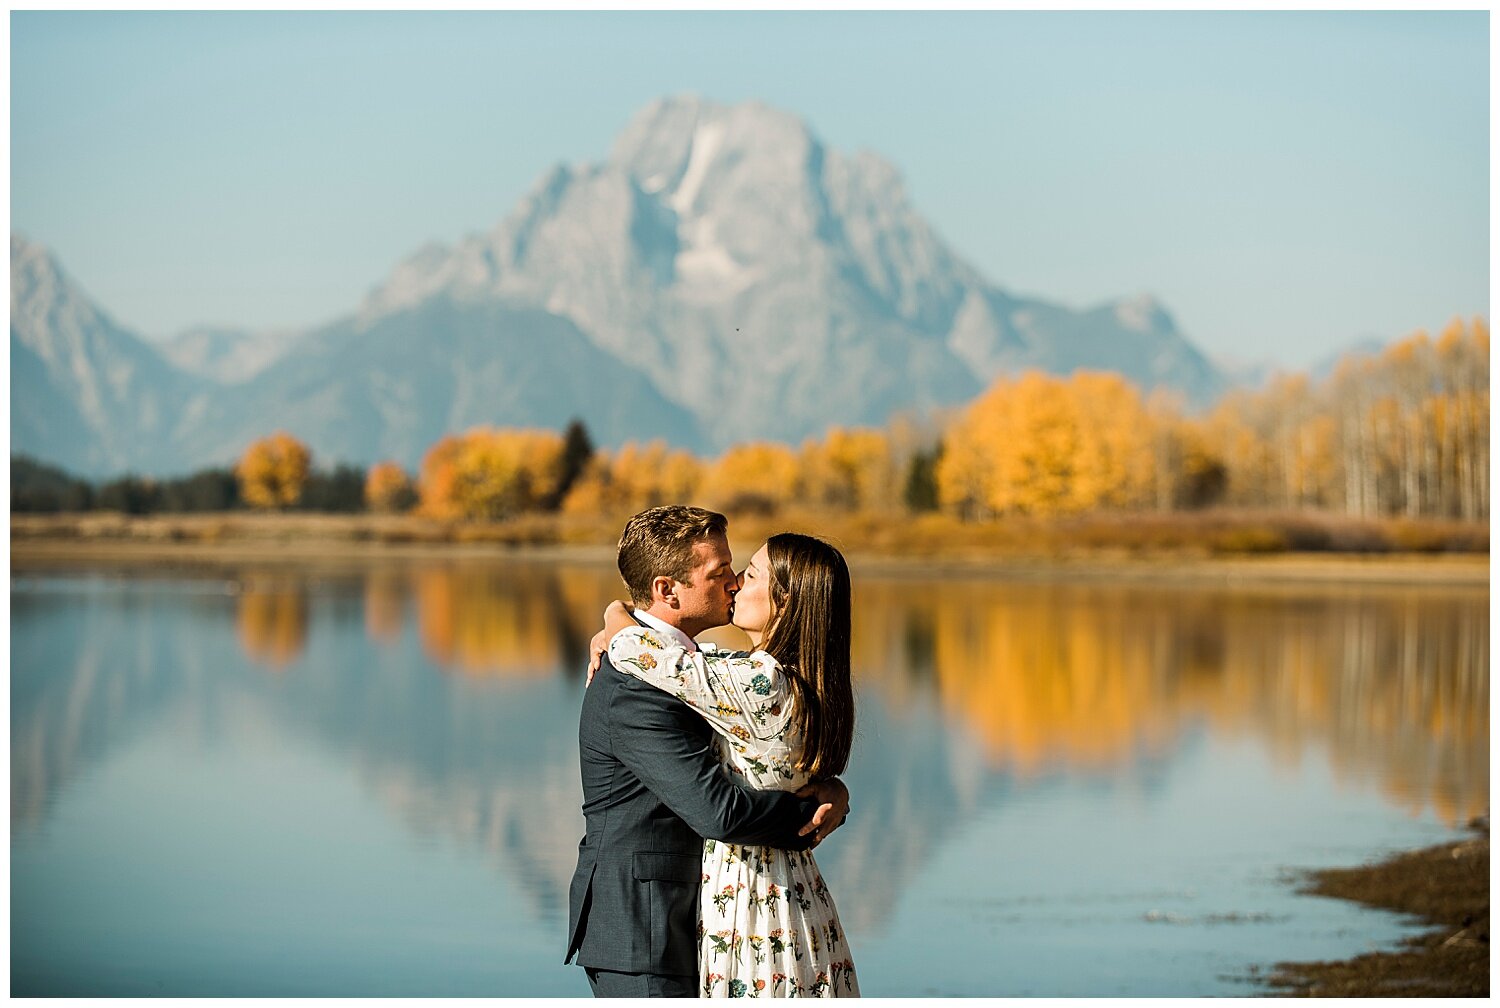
(833, 799)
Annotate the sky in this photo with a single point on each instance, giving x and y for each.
(1285, 183)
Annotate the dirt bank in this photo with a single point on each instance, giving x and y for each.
(49, 542)
(1447, 886)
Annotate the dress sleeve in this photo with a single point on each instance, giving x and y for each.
(742, 695)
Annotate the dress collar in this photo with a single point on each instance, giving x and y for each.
(666, 628)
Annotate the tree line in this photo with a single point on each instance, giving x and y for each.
(1401, 432)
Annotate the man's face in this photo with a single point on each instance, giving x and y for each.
(708, 601)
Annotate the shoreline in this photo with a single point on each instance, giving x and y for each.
(28, 554)
(1447, 887)
(1231, 549)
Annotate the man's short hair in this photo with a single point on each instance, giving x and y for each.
(659, 542)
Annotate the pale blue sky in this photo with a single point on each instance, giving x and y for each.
(1285, 183)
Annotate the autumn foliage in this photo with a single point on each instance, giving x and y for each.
(272, 622)
(273, 471)
(388, 488)
(1402, 433)
(634, 478)
(1045, 445)
(490, 473)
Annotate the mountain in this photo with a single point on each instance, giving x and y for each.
(722, 276)
(796, 287)
(97, 399)
(1254, 374)
(1365, 346)
(390, 388)
(228, 356)
(86, 394)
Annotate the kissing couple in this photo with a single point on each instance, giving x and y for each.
(709, 775)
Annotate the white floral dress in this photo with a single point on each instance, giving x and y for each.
(767, 925)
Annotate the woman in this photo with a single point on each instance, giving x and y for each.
(783, 715)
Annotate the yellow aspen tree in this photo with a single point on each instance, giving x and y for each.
(504, 472)
(681, 474)
(1036, 458)
(273, 471)
(1237, 437)
(1164, 409)
(437, 482)
(490, 474)
(1045, 445)
(636, 475)
(850, 470)
(1115, 464)
(589, 494)
(1316, 460)
(1202, 476)
(965, 468)
(864, 459)
(755, 476)
(388, 488)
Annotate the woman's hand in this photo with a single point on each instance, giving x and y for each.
(617, 617)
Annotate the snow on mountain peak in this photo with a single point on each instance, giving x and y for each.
(706, 140)
(1144, 314)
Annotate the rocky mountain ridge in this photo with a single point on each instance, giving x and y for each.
(722, 276)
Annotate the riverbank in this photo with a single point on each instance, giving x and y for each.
(1448, 886)
(1112, 550)
(351, 542)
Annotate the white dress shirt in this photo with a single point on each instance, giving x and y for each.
(672, 632)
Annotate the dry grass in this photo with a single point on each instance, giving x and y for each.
(923, 537)
(1193, 534)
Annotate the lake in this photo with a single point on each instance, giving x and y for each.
(263, 781)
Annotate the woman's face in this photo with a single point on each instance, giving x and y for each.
(752, 606)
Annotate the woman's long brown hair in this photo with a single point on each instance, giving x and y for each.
(810, 638)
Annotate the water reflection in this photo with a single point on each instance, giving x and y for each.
(1046, 677)
(507, 624)
(387, 598)
(1088, 677)
(453, 689)
(272, 619)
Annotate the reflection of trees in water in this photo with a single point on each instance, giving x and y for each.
(1034, 677)
(508, 621)
(387, 593)
(272, 619)
(1394, 685)
(1046, 677)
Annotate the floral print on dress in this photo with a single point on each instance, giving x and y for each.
(767, 926)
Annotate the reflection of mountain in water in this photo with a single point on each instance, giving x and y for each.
(443, 684)
(93, 667)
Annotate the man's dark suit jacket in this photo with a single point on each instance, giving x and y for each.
(652, 790)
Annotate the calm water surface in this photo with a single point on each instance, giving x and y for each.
(270, 783)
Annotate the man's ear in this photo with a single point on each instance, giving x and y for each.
(665, 589)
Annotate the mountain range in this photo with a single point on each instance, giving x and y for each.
(722, 276)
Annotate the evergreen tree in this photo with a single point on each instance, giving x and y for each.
(578, 451)
(921, 481)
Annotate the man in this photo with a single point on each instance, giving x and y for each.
(652, 785)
